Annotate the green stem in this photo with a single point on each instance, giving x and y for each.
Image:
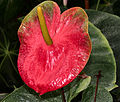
(15, 45)
(63, 95)
(2, 31)
(13, 53)
(2, 61)
(98, 2)
(1, 49)
(12, 63)
(2, 45)
(14, 87)
(1, 55)
(96, 89)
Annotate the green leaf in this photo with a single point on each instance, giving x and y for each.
(77, 88)
(3, 95)
(102, 95)
(8, 64)
(25, 93)
(22, 94)
(101, 59)
(9, 11)
(110, 26)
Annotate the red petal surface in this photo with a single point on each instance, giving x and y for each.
(47, 68)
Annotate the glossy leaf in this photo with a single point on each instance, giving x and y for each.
(22, 94)
(76, 87)
(101, 59)
(110, 26)
(25, 93)
(2, 96)
(102, 95)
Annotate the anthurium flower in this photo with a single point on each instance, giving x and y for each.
(54, 47)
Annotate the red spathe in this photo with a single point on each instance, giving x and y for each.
(46, 68)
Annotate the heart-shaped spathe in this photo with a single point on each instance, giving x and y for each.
(46, 68)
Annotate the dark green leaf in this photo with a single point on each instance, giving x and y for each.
(101, 59)
(110, 26)
(102, 95)
(76, 87)
(8, 64)
(3, 95)
(24, 93)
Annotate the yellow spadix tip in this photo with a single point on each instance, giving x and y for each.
(43, 26)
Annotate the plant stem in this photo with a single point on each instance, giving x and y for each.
(98, 2)
(13, 63)
(98, 77)
(4, 37)
(2, 61)
(14, 87)
(63, 95)
(86, 4)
